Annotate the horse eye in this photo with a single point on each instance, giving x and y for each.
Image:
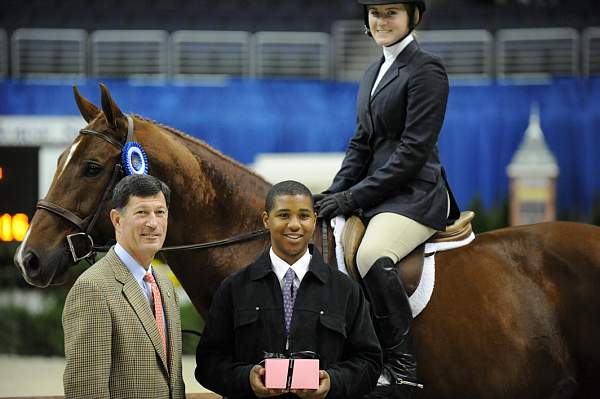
(92, 169)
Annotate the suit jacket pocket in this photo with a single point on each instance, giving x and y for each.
(332, 330)
(245, 317)
(248, 340)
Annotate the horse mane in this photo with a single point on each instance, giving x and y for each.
(202, 144)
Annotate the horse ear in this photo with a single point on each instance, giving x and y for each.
(88, 110)
(113, 114)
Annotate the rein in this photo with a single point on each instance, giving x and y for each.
(219, 243)
(87, 224)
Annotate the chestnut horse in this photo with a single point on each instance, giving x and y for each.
(515, 314)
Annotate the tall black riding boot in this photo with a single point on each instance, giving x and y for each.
(392, 318)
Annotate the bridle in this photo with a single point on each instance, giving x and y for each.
(87, 224)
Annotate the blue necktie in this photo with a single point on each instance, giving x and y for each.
(289, 296)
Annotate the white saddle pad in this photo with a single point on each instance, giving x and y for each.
(419, 299)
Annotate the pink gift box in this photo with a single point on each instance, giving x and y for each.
(305, 374)
(276, 373)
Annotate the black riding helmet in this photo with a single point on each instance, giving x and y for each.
(412, 24)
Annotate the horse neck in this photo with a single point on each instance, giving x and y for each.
(213, 197)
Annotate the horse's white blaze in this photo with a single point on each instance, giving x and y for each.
(71, 152)
(19, 257)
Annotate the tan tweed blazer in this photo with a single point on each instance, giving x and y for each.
(112, 345)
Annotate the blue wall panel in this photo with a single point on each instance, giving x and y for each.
(484, 124)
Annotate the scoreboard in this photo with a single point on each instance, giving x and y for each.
(19, 169)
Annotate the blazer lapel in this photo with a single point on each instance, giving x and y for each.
(139, 303)
(400, 62)
(369, 81)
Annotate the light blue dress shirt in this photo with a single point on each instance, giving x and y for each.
(137, 271)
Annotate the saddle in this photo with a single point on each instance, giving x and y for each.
(410, 267)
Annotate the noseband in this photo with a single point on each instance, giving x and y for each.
(86, 225)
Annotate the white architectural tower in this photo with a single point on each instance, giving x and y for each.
(533, 171)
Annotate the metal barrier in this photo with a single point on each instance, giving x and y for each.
(3, 54)
(344, 55)
(353, 50)
(129, 53)
(466, 53)
(290, 54)
(590, 42)
(188, 396)
(537, 52)
(49, 52)
(201, 54)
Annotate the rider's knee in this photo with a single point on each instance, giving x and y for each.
(367, 255)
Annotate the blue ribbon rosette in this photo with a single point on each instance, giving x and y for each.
(134, 159)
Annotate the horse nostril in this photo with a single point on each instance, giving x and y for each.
(32, 264)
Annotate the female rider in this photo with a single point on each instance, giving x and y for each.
(391, 174)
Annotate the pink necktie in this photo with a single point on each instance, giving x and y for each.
(158, 308)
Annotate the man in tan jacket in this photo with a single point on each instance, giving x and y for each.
(121, 318)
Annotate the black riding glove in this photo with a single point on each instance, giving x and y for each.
(337, 204)
(317, 198)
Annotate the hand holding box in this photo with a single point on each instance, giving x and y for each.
(292, 373)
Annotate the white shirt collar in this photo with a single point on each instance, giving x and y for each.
(390, 53)
(134, 267)
(280, 267)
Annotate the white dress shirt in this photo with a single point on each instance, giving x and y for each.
(280, 267)
(390, 53)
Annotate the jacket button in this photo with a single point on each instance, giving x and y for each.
(321, 312)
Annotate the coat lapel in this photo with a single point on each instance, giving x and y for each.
(369, 81)
(138, 302)
(400, 62)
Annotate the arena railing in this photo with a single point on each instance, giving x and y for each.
(129, 53)
(209, 54)
(344, 55)
(48, 53)
(590, 42)
(290, 54)
(353, 51)
(3, 54)
(537, 52)
(466, 53)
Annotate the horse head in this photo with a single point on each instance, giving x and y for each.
(213, 197)
(78, 200)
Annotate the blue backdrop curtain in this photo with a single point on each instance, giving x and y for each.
(484, 125)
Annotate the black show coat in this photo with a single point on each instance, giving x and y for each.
(392, 162)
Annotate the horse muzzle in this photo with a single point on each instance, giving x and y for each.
(41, 270)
